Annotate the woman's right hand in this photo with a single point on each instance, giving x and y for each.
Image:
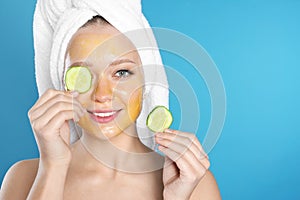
(49, 120)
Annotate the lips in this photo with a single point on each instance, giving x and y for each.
(103, 116)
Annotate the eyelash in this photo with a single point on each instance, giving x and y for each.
(123, 76)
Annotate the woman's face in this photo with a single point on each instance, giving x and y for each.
(115, 99)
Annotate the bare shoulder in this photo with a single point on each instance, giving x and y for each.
(19, 177)
(207, 188)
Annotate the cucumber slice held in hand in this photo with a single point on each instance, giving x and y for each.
(159, 119)
(78, 78)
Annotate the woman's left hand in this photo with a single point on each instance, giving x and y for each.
(185, 163)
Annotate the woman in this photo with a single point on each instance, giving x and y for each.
(95, 166)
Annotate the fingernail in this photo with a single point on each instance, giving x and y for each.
(168, 130)
(74, 93)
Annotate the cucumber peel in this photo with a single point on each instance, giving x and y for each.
(78, 78)
(159, 119)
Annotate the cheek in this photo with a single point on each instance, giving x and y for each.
(135, 104)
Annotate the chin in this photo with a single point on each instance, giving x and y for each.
(109, 130)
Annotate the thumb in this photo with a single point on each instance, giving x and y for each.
(170, 171)
(65, 132)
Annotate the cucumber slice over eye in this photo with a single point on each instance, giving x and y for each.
(159, 119)
(78, 78)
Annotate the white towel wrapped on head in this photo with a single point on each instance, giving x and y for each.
(56, 21)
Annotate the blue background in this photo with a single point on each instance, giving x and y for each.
(256, 46)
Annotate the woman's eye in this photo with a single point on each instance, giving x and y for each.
(123, 73)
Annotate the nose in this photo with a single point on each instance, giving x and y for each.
(103, 91)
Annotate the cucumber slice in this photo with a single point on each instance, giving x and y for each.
(78, 78)
(159, 119)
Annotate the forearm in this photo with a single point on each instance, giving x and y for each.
(49, 183)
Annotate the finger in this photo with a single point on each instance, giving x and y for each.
(178, 147)
(188, 169)
(170, 170)
(168, 161)
(65, 133)
(205, 162)
(184, 152)
(186, 142)
(56, 123)
(59, 101)
(192, 137)
(49, 94)
(181, 148)
(53, 111)
(174, 156)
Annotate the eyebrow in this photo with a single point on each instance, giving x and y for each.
(81, 64)
(121, 61)
(114, 63)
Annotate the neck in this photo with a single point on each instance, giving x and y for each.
(123, 153)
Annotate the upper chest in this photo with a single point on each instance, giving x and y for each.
(91, 187)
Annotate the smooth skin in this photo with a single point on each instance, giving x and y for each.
(69, 171)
